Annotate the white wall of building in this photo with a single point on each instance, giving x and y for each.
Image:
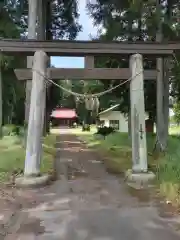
(115, 115)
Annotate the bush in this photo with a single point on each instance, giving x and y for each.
(168, 176)
(86, 127)
(168, 169)
(105, 131)
(8, 130)
(13, 155)
(13, 130)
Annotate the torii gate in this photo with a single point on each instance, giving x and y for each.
(88, 49)
(36, 116)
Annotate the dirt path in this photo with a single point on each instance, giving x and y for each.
(87, 203)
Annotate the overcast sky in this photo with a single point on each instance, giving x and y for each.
(88, 28)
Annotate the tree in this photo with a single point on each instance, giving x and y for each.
(118, 21)
(139, 20)
(12, 90)
(61, 22)
(176, 116)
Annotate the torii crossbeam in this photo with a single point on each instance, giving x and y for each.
(86, 73)
(84, 48)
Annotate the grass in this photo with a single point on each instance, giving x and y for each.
(49, 151)
(116, 150)
(174, 130)
(78, 131)
(116, 153)
(12, 156)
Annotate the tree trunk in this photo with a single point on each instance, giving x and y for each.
(166, 99)
(41, 35)
(48, 91)
(1, 103)
(160, 141)
(159, 107)
(42, 18)
(32, 17)
(140, 23)
(163, 66)
(166, 80)
(129, 124)
(130, 22)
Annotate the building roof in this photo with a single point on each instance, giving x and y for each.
(109, 109)
(64, 113)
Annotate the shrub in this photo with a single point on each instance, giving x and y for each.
(105, 131)
(8, 130)
(13, 130)
(86, 127)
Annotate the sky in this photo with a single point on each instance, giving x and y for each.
(88, 28)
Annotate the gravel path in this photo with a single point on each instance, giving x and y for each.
(87, 203)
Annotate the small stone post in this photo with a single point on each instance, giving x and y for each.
(139, 148)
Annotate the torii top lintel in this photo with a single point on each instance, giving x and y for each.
(85, 48)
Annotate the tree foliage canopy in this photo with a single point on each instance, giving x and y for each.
(62, 22)
(137, 20)
(123, 20)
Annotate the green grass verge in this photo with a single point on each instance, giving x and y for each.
(116, 152)
(115, 149)
(174, 130)
(12, 155)
(78, 131)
